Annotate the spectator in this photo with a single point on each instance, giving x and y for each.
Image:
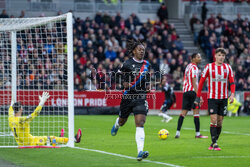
(178, 43)
(197, 27)
(193, 20)
(204, 11)
(22, 15)
(162, 12)
(247, 105)
(4, 14)
(110, 54)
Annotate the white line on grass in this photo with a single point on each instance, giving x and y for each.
(234, 133)
(125, 156)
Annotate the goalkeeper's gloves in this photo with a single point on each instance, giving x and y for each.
(197, 100)
(43, 98)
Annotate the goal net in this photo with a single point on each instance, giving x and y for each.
(36, 55)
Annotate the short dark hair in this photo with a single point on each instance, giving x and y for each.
(17, 106)
(194, 55)
(222, 50)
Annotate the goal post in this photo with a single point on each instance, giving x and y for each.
(36, 55)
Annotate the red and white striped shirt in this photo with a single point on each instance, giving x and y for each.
(218, 77)
(191, 71)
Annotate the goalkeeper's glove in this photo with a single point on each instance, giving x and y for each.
(43, 98)
(197, 100)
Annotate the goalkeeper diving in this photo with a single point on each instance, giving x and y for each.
(20, 125)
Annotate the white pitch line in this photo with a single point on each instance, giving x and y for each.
(234, 133)
(223, 157)
(125, 156)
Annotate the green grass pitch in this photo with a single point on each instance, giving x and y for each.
(186, 151)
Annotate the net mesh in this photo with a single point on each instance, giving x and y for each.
(41, 65)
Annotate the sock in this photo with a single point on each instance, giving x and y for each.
(139, 138)
(180, 121)
(178, 133)
(165, 116)
(197, 124)
(218, 132)
(61, 140)
(213, 132)
(117, 123)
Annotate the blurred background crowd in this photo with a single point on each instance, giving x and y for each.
(99, 45)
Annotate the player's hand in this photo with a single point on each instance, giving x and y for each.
(174, 105)
(231, 98)
(202, 101)
(197, 101)
(43, 98)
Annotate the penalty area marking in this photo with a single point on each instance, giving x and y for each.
(226, 132)
(125, 156)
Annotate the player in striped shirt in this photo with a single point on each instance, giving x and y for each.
(190, 88)
(219, 75)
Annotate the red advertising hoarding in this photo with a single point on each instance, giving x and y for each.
(90, 98)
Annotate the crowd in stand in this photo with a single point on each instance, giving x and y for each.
(41, 61)
(232, 35)
(100, 48)
(100, 44)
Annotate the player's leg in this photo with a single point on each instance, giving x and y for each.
(165, 116)
(187, 104)
(125, 110)
(162, 109)
(197, 123)
(222, 111)
(219, 126)
(213, 130)
(140, 110)
(119, 122)
(180, 122)
(39, 140)
(140, 136)
(60, 140)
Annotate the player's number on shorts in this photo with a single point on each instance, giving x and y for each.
(15, 132)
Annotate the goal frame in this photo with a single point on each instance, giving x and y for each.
(70, 72)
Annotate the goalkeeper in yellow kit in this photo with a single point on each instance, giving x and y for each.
(20, 126)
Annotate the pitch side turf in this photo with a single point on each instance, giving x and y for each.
(99, 148)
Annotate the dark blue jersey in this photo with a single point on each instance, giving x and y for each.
(136, 74)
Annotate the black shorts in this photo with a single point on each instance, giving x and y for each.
(217, 106)
(188, 100)
(133, 106)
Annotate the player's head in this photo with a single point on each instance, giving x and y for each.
(196, 58)
(18, 109)
(220, 55)
(136, 48)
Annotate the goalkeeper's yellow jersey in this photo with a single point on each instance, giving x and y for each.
(20, 126)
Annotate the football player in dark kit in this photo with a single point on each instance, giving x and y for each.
(170, 100)
(135, 79)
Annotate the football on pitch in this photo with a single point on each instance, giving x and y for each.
(163, 134)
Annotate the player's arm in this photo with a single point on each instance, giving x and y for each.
(194, 74)
(125, 74)
(232, 84)
(204, 76)
(38, 109)
(148, 79)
